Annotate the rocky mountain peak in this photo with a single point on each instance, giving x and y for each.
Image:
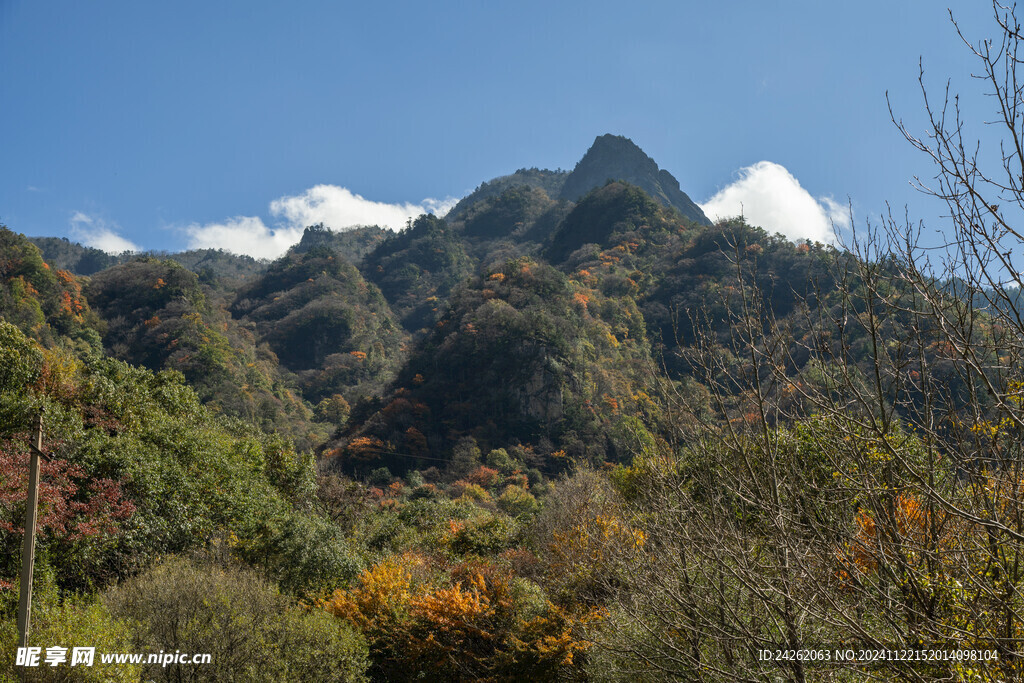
(614, 157)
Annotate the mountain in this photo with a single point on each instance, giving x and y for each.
(542, 179)
(209, 264)
(158, 314)
(63, 254)
(44, 302)
(613, 157)
(489, 445)
(352, 244)
(515, 209)
(416, 270)
(613, 210)
(517, 222)
(523, 356)
(324, 322)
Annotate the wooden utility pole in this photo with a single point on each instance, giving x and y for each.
(28, 553)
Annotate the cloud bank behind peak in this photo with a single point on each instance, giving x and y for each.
(96, 232)
(769, 196)
(336, 207)
(765, 193)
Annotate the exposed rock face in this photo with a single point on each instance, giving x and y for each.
(613, 157)
(540, 396)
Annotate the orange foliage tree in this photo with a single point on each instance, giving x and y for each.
(471, 623)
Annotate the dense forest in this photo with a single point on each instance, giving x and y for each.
(573, 430)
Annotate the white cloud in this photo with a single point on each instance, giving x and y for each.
(243, 235)
(95, 232)
(440, 207)
(336, 207)
(768, 195)
(339, 208)
(838, 213)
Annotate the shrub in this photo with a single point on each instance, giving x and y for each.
(385, 531)
(474, 492)
(72, 622)
(304, 554)
(425, 491)
(500, 460)
(379, 477)
(516, 501)
(465, 458)
(252, 632)
(483, 476)
(485, 535)
(478, 623)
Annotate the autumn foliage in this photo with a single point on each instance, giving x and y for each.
(72, 506)
(464, 623)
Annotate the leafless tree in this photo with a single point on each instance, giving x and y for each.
(861, 476)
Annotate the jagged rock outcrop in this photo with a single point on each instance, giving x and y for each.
(613, 157)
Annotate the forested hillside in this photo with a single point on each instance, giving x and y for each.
(571, 431)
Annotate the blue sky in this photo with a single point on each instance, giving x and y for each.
(182, 124)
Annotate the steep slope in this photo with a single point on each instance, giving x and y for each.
(417, 268)
(605, 215)
(140, 469)
(216, 265)
(73, 257)
(542, 179)
(524, 355)
(210, 264)
(325, 323)
(352, 244)
(157, 314)
(45, 303)
(515, 223)
(613, 157)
